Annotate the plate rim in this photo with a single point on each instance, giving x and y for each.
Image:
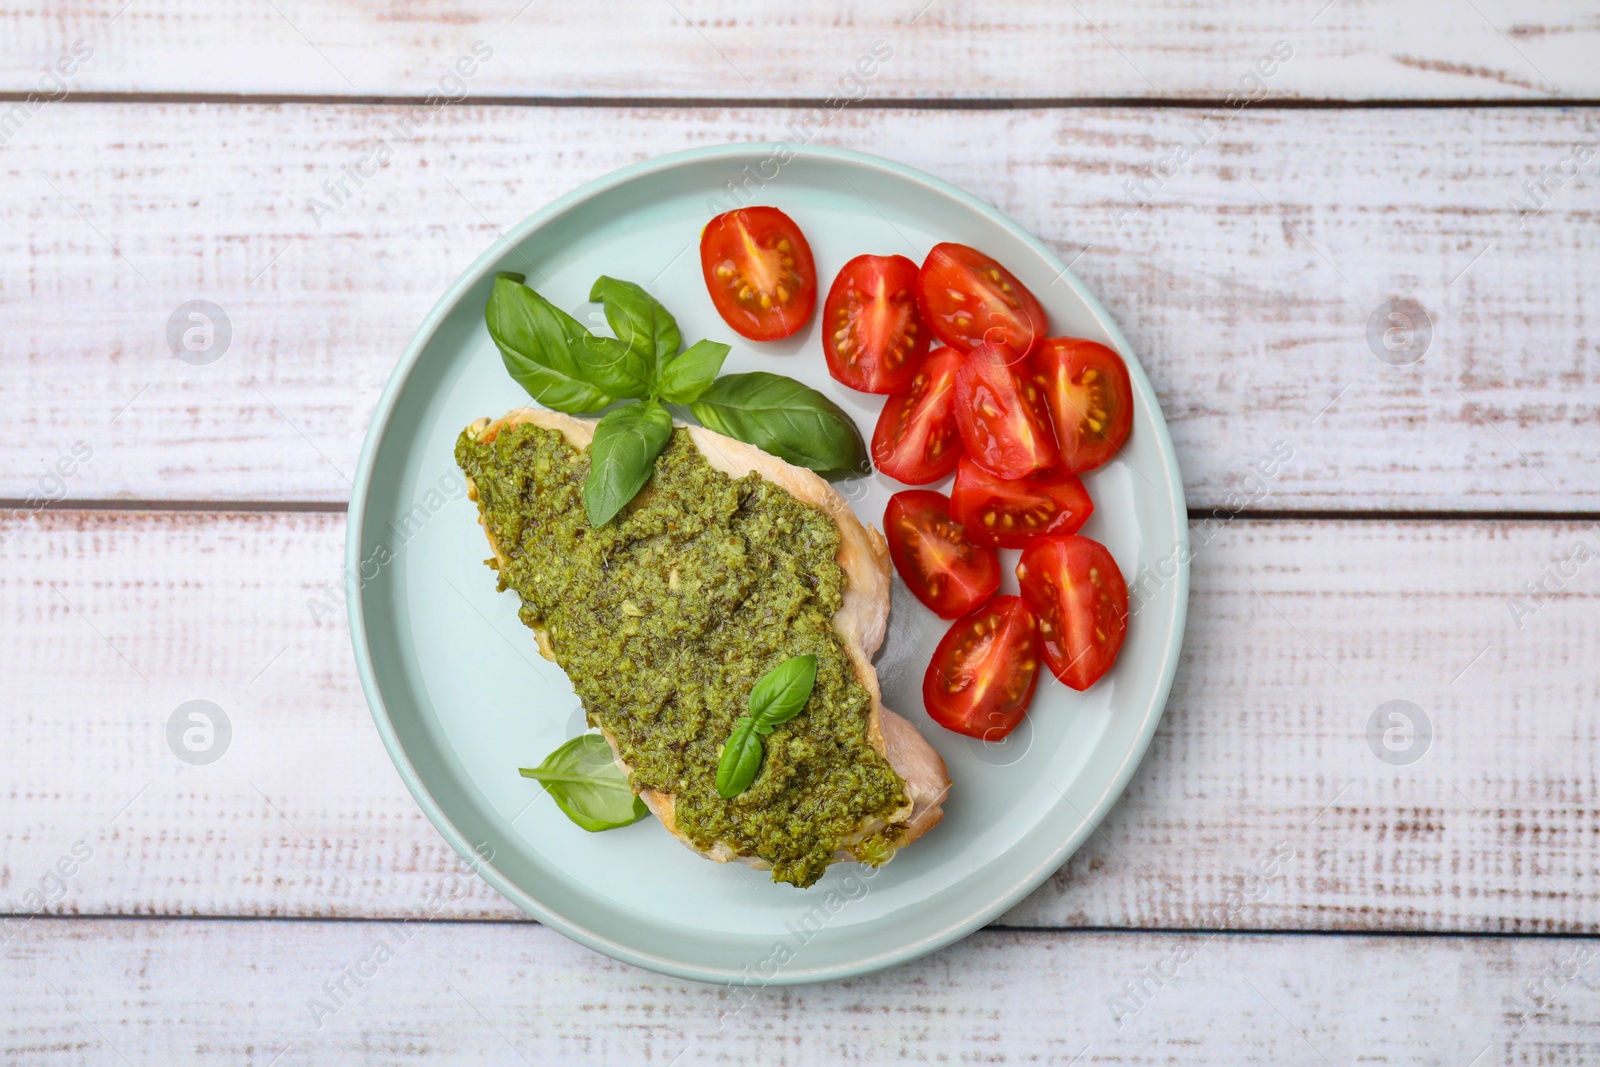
(356, 519)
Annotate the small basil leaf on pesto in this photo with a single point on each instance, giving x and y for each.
(778, 697)
(543, 347)
(622, 457)
(691, 374)
(586, 784)
(640, 322)
(741, 759)
(783, 691)
(780, 415)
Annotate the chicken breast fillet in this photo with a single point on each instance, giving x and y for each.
(860, 622)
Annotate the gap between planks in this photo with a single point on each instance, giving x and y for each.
(1013, 103)
(997, 927)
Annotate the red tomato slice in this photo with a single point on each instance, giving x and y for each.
(984, 671)
(945, 570)
(1091, 401)
(1001, 414)
(1010, 514)
(916, 440)
(1082, 601)
(968, 299)
(871, 332)
(759, 272)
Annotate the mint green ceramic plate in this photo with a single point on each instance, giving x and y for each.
(462, 698)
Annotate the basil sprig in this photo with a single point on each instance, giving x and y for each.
(588, 786)
(778, 697)
(565, 367)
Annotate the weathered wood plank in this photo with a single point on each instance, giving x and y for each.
(204, 992)
(1298, 633)
(699, 49)
(1247, 284)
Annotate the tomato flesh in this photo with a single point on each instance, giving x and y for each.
(916, 440)
(872, 332)
(1001, 414)
(759, 271)
(984, 671)
(934, 556)
(1010, 514)
(1082, 601)
(1086, 387)
(968, 299)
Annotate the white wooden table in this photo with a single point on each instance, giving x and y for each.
(1433, 892)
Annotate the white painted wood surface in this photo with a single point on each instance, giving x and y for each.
(1246, 286)
(1298, 632)
(1345, 50)
(161, 992)
(153, 911)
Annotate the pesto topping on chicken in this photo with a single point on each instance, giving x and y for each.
(665, 617)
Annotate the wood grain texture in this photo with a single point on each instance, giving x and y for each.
(1246, 285)
(251, 993)
(1350, 49)
(1298, 632)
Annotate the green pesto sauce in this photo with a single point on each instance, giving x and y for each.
(667, 616)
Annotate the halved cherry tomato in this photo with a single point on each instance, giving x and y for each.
(1082, 601)
(984, 671)
(968, 299)
(938, 563)
(1091, 401)
(872, 333)
(916, 440)
(759, 271)
(1001, 414)
(1009, 514)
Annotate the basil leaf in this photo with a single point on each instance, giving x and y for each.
(622, 457)
(588, 786)
(778, 697)
(542, 347)
(692, 373)
(616, 368)
(741, 759)
(779, 415)
(783, 691)
(640, 322)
